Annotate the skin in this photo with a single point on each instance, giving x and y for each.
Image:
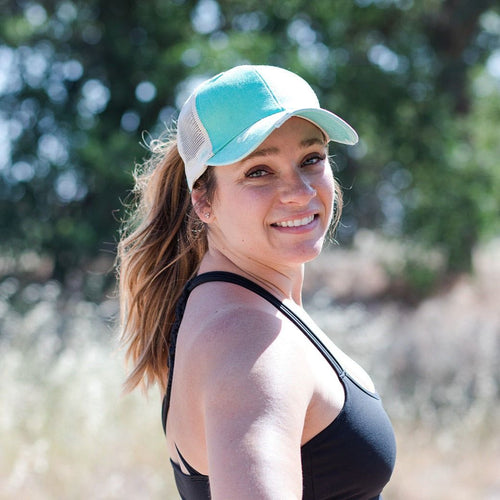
(260, 389)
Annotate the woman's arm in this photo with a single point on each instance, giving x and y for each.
(255, 397)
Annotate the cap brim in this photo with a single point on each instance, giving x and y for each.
(333, 126)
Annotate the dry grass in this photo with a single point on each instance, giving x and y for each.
(432, 466)
(67, 433)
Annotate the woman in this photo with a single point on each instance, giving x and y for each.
(259, 403)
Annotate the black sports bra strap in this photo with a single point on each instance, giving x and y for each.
(192, 471)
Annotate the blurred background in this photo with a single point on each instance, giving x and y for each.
(410, 289)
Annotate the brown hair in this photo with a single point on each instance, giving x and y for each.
(338, 204)
(161, 248)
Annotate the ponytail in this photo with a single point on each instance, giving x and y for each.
(160, 250)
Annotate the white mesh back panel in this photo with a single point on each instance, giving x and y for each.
(193, 141)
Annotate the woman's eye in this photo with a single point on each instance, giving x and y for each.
(257, 172)
(313, 159)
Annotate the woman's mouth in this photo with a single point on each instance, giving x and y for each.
(295, 222)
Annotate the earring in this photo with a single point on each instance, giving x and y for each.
(207, 215)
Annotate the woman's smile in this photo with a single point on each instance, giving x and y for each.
(299, 223)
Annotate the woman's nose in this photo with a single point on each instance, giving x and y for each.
(296, 188)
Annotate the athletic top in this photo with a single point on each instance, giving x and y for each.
(351, 459)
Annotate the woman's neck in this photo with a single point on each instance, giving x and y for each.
(284, 283)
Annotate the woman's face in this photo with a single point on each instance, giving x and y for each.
(274, 207)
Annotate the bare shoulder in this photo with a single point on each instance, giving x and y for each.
(238, 342)
(227, 316)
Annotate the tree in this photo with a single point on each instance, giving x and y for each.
(82, 80)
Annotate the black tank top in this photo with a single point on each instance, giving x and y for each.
(351, 459)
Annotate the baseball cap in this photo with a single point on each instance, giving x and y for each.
(230, 115)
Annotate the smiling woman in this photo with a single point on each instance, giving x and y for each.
(259, 402)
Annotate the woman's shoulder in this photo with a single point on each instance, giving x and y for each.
(216, 306)
(226, 318)
(233, 333)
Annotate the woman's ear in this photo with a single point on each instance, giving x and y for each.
(201, 205)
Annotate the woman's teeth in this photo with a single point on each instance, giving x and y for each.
(296, 222)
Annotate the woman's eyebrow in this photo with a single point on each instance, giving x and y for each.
(312, 141)
(262, 152)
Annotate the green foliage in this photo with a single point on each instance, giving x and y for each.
(81, 81)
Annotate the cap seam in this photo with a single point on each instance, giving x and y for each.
(243, 131)
(270, 90)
